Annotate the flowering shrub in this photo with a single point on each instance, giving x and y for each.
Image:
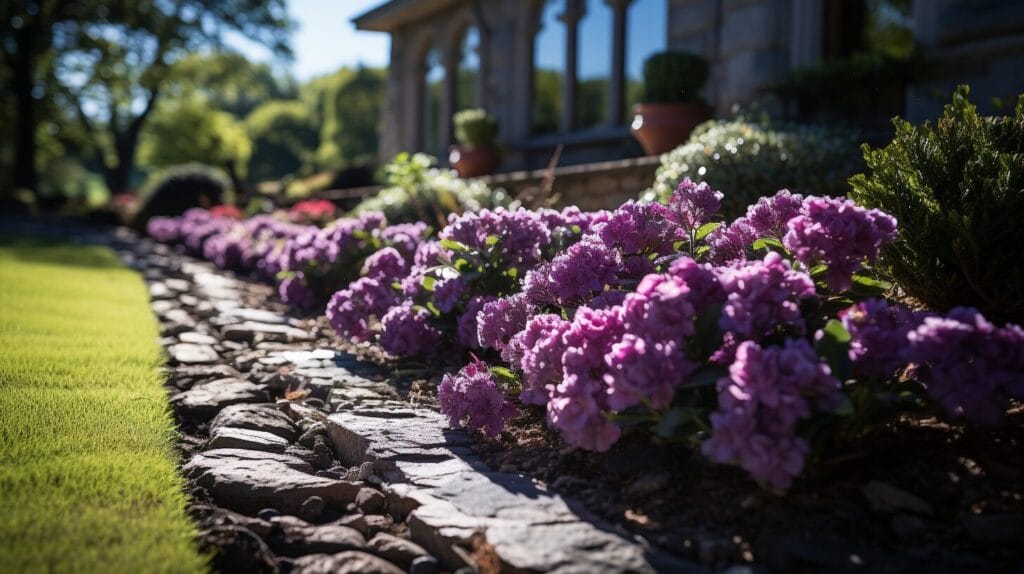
(312, 211)
(750, 341)
(749, 161)
(747, 340)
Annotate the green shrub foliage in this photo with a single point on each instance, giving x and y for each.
(748, 161)
(475, 128)
(957, 190)
(418, 191)
(175, 189)
(674, 77)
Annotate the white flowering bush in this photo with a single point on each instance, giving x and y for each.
(748, 161)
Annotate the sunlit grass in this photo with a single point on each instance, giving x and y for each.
(88, 481)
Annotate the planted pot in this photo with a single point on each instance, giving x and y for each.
(660, 127)
(474, 161)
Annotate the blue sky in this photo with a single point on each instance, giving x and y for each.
(325, 39)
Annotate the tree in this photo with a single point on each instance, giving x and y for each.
(229, 81)
(284, 138)
(112, 59)
(189, 130)
(351, 111)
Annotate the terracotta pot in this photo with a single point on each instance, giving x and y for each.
(661, 127)
(473, 162)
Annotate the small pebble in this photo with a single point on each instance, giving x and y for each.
(424, 565)
(268, 513)
(311, 509)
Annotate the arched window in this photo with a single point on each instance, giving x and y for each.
(593, 64)
(433, 93)
(549, 59)
(645, 35)
(467, 94)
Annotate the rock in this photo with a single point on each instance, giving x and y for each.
(252, 331)
(260, 417)
(351, 562)
(249, 439)
(259, 526)
(159, 290)
(885, 498)
(308, 438)
(248, 480)
(996, 529)
(377, 523)
(370, 500)
(908, 528)
(267, 514)
(311, 509)
(647, 485)
(395, 550)
(206, 399)
(196, 338)
(239, 314)
(318, 460)
(190, 354)
(178, 285)
(238, 550)
(424, 565)
(294, 537)
(357, 521)
(450, 497)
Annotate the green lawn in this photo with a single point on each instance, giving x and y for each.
(88, 480)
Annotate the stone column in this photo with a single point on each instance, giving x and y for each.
(617, 97)
(805, 33)
(574, 11)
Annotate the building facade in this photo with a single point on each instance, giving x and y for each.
(567, 71)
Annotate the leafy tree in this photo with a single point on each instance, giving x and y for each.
(189, 130)
(350, 112)
(111, 61)
(229, 81)
(284, 138)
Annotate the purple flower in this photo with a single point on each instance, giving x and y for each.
(541, 356)
(763, 297)
(163, 229)
(730, 243)
(645, 370)
(502, 318)
(767, 392)
(405, 237)
(517, 236)
(472, 399)
(701, 281)
(581, 271)
(406, 331)
(693, 204)
(350, 310)
(839, 234)
(660, 308)
(448, 292)
(970, 366)
(294, 291)
(878, 344)
(386, 265)
(466, 330)
(770, 215)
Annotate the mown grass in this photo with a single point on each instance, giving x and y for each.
(88, 480)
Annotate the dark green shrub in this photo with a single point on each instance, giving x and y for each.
(173, 190)
(747, 161)
(475, 128)
(674, 77)
(957, 190)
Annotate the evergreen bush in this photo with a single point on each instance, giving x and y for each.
(957, 190)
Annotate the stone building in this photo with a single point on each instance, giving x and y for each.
(567, 71)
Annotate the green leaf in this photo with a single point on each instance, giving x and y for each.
(455, 246)
(492, 240)
(512, 272)
(706, 229)
(504, 373)
(766, 243)
(433, 309)
(429, 283)
(396, 286)
(705, 377)
(834, 347)
(674, 419)
(868, 287)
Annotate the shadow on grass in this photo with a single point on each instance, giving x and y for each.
(50, 249)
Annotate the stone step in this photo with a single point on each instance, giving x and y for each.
(455, 506)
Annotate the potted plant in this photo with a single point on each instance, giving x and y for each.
(673, 104)
(477, 152)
